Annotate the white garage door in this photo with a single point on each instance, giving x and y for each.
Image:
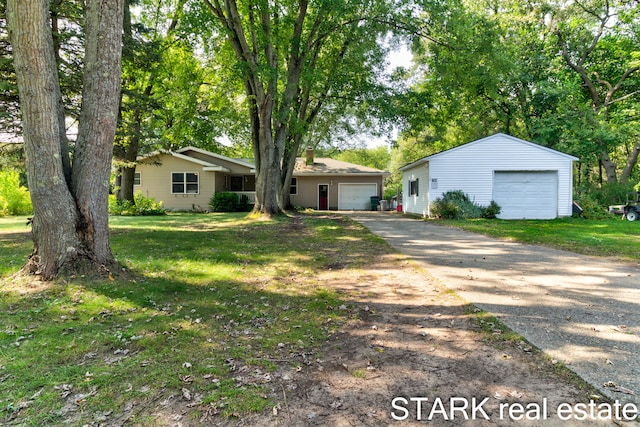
(356, 196)
(526, 194)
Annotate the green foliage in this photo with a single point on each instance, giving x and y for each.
(592, 209)
(230, 202)
(225, 202)
(14, 198)
(491, 211)
(595, 199)
(142, 206)
(243, 203)
(457, 205)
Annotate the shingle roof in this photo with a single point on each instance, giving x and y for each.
(327, 166)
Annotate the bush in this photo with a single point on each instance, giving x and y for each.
(491, 211)
(244, 205)
(14, 198)
(225, 202)
(593, 209)
(142, 206)
(457, 205)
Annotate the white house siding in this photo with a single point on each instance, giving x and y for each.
(419, 203)
(471, 168)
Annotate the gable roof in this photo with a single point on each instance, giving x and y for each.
(328, 166)
(320, 166)
(215, 156)
(205, 165)
(484, 140)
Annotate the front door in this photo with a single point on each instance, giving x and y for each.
(323, 197)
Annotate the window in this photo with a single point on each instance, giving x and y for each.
(294, 186)
(413, 187)
(236, 183)
(184, 183)
(137, 178)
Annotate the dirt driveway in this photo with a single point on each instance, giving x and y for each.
(581, 310)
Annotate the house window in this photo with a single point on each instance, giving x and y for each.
(236, 183)
(137, 178)
(413, 187)
(185, 183)
(294, 186)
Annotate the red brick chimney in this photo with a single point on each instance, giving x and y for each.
(309, 156)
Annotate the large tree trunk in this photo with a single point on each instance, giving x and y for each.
(632, 160)
(70, 222)
(97, 127)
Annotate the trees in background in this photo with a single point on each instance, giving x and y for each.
(296, 58)
(561, 74)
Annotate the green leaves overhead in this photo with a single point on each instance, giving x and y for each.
(563, 74)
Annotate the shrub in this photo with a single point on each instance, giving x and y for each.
(225, 202)
(593, 209)
(244, 205)
(457, 205)
(491, 211)
(14, 198)
(142, 206)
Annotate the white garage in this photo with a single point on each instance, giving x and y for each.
(527, 180)
(356, 197)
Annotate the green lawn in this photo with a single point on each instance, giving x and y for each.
(205, 297)
(614, 238)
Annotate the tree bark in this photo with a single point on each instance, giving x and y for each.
(70, 222)
(601, 104)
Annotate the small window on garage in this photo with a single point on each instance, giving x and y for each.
(137, 178)
(294, 186)
(413, 187)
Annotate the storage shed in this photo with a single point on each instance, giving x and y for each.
(527, 180)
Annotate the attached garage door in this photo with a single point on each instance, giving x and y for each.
(356, 196)
(526, 194)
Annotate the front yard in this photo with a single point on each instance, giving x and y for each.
(217, 319)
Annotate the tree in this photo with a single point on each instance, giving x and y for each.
(598, 41)
(293, 57)
(169, 99)
(70, 199)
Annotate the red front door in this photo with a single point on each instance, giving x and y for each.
(323, 197)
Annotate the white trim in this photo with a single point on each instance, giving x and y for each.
(184, 174)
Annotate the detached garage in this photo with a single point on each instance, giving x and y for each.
(527, 180)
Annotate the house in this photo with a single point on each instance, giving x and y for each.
(527, 180)
(187, 179)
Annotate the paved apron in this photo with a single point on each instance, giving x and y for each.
(584, 311)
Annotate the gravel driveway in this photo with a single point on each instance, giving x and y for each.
(581, 310)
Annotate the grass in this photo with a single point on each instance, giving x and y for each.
(610, 238)
(209, 307)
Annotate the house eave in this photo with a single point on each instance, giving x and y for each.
(216, 168)
(343, 174)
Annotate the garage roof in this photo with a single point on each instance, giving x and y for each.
(482, 140)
